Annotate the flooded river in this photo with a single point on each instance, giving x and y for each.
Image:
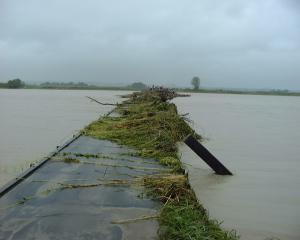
(34, 122)
(256, 137)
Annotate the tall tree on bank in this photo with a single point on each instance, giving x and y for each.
(196, 83)
(15, 83)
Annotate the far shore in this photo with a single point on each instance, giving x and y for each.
(187, 90)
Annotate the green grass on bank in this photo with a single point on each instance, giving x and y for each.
(149, 123)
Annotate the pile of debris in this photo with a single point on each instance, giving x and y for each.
(156, 93)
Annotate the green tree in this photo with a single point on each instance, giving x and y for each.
(196, 82)
(15, 83)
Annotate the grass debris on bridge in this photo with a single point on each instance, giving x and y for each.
(122, 179)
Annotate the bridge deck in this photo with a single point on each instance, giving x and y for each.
(78, 196)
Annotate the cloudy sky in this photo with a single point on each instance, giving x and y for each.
(232, 43)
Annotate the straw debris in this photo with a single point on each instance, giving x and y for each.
(134, 219)
(150, 123)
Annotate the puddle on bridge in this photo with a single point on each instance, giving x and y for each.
(84, 192)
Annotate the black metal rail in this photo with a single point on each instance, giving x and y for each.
(206, 156)
(10, 185)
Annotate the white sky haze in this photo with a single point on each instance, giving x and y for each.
(231, 44)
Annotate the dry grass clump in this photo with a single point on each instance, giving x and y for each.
(182, 217)
(168, 188)
(71, 160)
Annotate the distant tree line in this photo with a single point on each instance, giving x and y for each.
(14, 83)
(64, 85)
(82, 85)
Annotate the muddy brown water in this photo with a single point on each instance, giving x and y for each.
(257, 138)
(34, 122)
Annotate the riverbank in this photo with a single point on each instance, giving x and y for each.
(242, 92)
(271, 92)
(149, 123)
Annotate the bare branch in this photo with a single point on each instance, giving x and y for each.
(105, 104)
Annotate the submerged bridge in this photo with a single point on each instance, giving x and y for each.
(85, 190)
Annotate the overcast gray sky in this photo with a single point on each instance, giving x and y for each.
(232, 43)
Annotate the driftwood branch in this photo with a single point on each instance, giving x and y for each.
(105, 104)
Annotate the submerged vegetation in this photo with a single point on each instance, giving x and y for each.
(148, 122)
